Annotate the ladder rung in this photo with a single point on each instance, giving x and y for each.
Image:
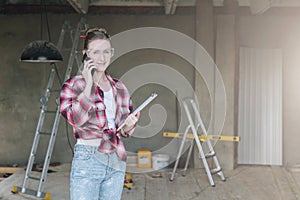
(34, 178)
(44, 133)
(216, 170)
(211, 154)
(50, 111)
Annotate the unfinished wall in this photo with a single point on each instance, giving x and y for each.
(204, 28)
(21, 84)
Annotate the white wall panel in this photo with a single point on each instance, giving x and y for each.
(260, 106)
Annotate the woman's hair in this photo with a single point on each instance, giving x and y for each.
(94, 34)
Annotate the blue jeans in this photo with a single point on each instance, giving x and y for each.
(95, 175)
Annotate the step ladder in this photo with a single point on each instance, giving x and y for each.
(74, 36)
(203, 156)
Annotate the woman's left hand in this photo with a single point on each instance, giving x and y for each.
(131, 121)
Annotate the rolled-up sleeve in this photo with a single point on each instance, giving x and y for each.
(74, 105)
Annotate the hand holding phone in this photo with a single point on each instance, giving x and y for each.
(85, 59)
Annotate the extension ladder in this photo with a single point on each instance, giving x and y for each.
(203, 156)
(44, 101)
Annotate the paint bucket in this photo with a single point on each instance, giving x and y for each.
(160, 161)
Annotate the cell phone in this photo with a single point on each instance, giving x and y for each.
(86, 58)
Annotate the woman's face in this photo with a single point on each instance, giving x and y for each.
(100, 52)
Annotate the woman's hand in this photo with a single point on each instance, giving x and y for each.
(87, 70)
(131, 121)
(88, 76)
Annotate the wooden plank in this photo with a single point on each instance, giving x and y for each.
(10, 170)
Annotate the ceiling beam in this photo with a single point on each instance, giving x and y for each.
(275, 3)
(126, 3)
(138, 3)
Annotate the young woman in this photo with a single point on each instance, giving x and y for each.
(95, 105)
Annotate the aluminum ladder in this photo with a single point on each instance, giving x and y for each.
(203, 156)
(74, 35)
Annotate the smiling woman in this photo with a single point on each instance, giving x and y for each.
(96, 105)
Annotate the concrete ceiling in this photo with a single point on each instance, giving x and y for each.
(82, 6)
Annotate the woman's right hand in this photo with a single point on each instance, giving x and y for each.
(88, 66)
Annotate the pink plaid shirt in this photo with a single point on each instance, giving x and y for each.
(88, 117)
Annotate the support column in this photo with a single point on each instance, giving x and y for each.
(226, 61)
(204, 35)
(216, 32)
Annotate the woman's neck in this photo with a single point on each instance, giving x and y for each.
(101, 81)
(99, 77)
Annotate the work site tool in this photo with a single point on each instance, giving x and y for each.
(203, 156)
(203, 137)
(75, 35)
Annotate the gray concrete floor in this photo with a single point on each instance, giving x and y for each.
(244, 182)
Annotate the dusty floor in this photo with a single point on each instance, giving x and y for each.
(244, 182)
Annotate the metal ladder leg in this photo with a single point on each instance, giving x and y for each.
(179, 153)
(201, 152)
(38, 132)
(188, 158)
(212, 153)
(49, 153)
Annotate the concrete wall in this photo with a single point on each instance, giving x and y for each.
(225, 60)
(205, 36)
(21, 84)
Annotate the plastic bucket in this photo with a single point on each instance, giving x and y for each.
(160, 161)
